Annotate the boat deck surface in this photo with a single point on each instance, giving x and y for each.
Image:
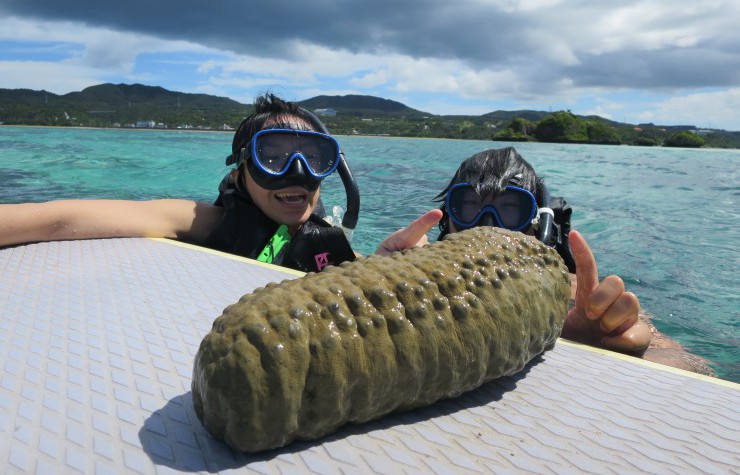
(97, 340)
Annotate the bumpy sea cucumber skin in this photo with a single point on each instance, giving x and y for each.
(296, 360)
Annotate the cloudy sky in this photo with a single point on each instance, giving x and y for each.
(668, 62)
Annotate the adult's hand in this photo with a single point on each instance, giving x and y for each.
(413, 235)
(604, 314)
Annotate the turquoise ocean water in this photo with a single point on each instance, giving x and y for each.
(665, 220)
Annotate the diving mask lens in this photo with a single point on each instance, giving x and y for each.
(513, 208)
(274, 150)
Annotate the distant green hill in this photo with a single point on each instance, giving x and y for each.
(110, 105)
(122, 96)
(507, 116)
(360, 105)
(137, 105)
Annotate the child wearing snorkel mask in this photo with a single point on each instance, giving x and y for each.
(498, 187)
(266, 208)
(282, 153)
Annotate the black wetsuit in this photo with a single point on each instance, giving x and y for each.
(245, 230)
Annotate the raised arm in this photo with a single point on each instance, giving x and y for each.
(604, 313)
(88, 219)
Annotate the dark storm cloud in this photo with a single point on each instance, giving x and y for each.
(482, 35)
(682, 68)
(416, 27)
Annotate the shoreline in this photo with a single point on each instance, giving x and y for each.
(380, 136)
(86, 127)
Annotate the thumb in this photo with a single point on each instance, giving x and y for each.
(421, 226)
(410, 235)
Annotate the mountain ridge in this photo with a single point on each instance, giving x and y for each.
(135, 105)
(122, 95)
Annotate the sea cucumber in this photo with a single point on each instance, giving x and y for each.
(298, 359)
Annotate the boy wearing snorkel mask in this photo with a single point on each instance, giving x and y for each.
(508, 194)
(281, 155)
(499, 188)
(265, 210)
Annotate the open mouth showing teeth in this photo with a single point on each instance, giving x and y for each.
(291, 198)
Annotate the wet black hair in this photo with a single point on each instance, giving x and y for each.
(270, 107)
(283, 113)
(491, 171)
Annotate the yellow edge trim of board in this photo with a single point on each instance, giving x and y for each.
(613, 354)
(651, 364)
(229, 256)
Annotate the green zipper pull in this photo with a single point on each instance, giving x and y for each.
(278, 240)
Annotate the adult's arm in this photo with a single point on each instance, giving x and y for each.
(88, 219)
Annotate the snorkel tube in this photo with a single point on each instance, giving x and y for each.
(352, 214)
(545, 215)
(349, 221)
